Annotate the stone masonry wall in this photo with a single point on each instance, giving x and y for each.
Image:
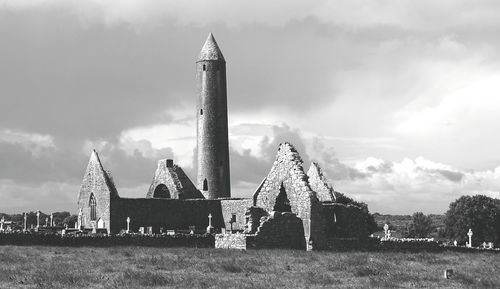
(231, 241)
(287, 170)
(320, 184)
(279, 230)
(170, 214)
(97, 182)
(177, 182)
(237, 207)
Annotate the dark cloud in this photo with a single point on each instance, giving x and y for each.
(451, 175)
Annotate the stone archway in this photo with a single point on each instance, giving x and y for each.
(162, 191)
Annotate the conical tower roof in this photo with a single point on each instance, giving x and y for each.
(210, 50)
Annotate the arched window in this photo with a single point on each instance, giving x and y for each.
(161, 191)
(282, 203)
(93, 207)
(201, 111)
(205, 185)
(204, 67)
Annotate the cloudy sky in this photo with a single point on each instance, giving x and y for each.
(399, 101)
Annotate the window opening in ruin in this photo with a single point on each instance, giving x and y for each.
(93, 209)
(205, 185)
(282, 203)
(201, 111)
(204, 67)
(161, 191)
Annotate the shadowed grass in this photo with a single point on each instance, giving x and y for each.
(141, 267)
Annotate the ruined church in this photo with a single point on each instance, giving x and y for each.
(290, 208)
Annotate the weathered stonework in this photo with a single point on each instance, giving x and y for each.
(177, 183)
(231, 241)
(279, 230)
(290, 209)
(97, 183)
(288, 174)
(212, 131)
(320, 184)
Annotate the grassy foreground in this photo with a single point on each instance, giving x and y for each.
(138, 267)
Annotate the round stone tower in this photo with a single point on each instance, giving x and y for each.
(212, 135)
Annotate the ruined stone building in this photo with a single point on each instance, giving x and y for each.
(290, 208)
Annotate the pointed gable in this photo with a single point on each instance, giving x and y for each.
(319, 183)
(286, 176)
(175, 180)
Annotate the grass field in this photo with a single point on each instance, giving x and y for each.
(138, 267)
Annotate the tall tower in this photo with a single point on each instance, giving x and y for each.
(212, 136)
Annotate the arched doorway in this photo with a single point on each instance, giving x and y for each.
(282, 203)
(161, 191)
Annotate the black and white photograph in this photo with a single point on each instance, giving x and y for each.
(249, 144)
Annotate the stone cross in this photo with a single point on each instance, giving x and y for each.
(386, 231)
(46, 222)
(51, 220)
(470, 238)
(1, 223)
(37, 219)
(210, 228)
(128, 224)
(94, 231)
(455, 243)
(25, 221)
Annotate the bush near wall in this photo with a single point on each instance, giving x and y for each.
(178, 240)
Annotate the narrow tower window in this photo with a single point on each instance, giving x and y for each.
(205, 185)
(204, 67)
(201, 111)
(93, 209)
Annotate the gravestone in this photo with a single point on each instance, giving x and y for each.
(141, 230)
(1, 224)
(170, 232)
(191, 230)
(150, 230)
(128, 225)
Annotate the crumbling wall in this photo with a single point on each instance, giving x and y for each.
(279, 230)
(175, 179)
(287, 172)
(231, 241)
(254, 215)
(319, 183)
